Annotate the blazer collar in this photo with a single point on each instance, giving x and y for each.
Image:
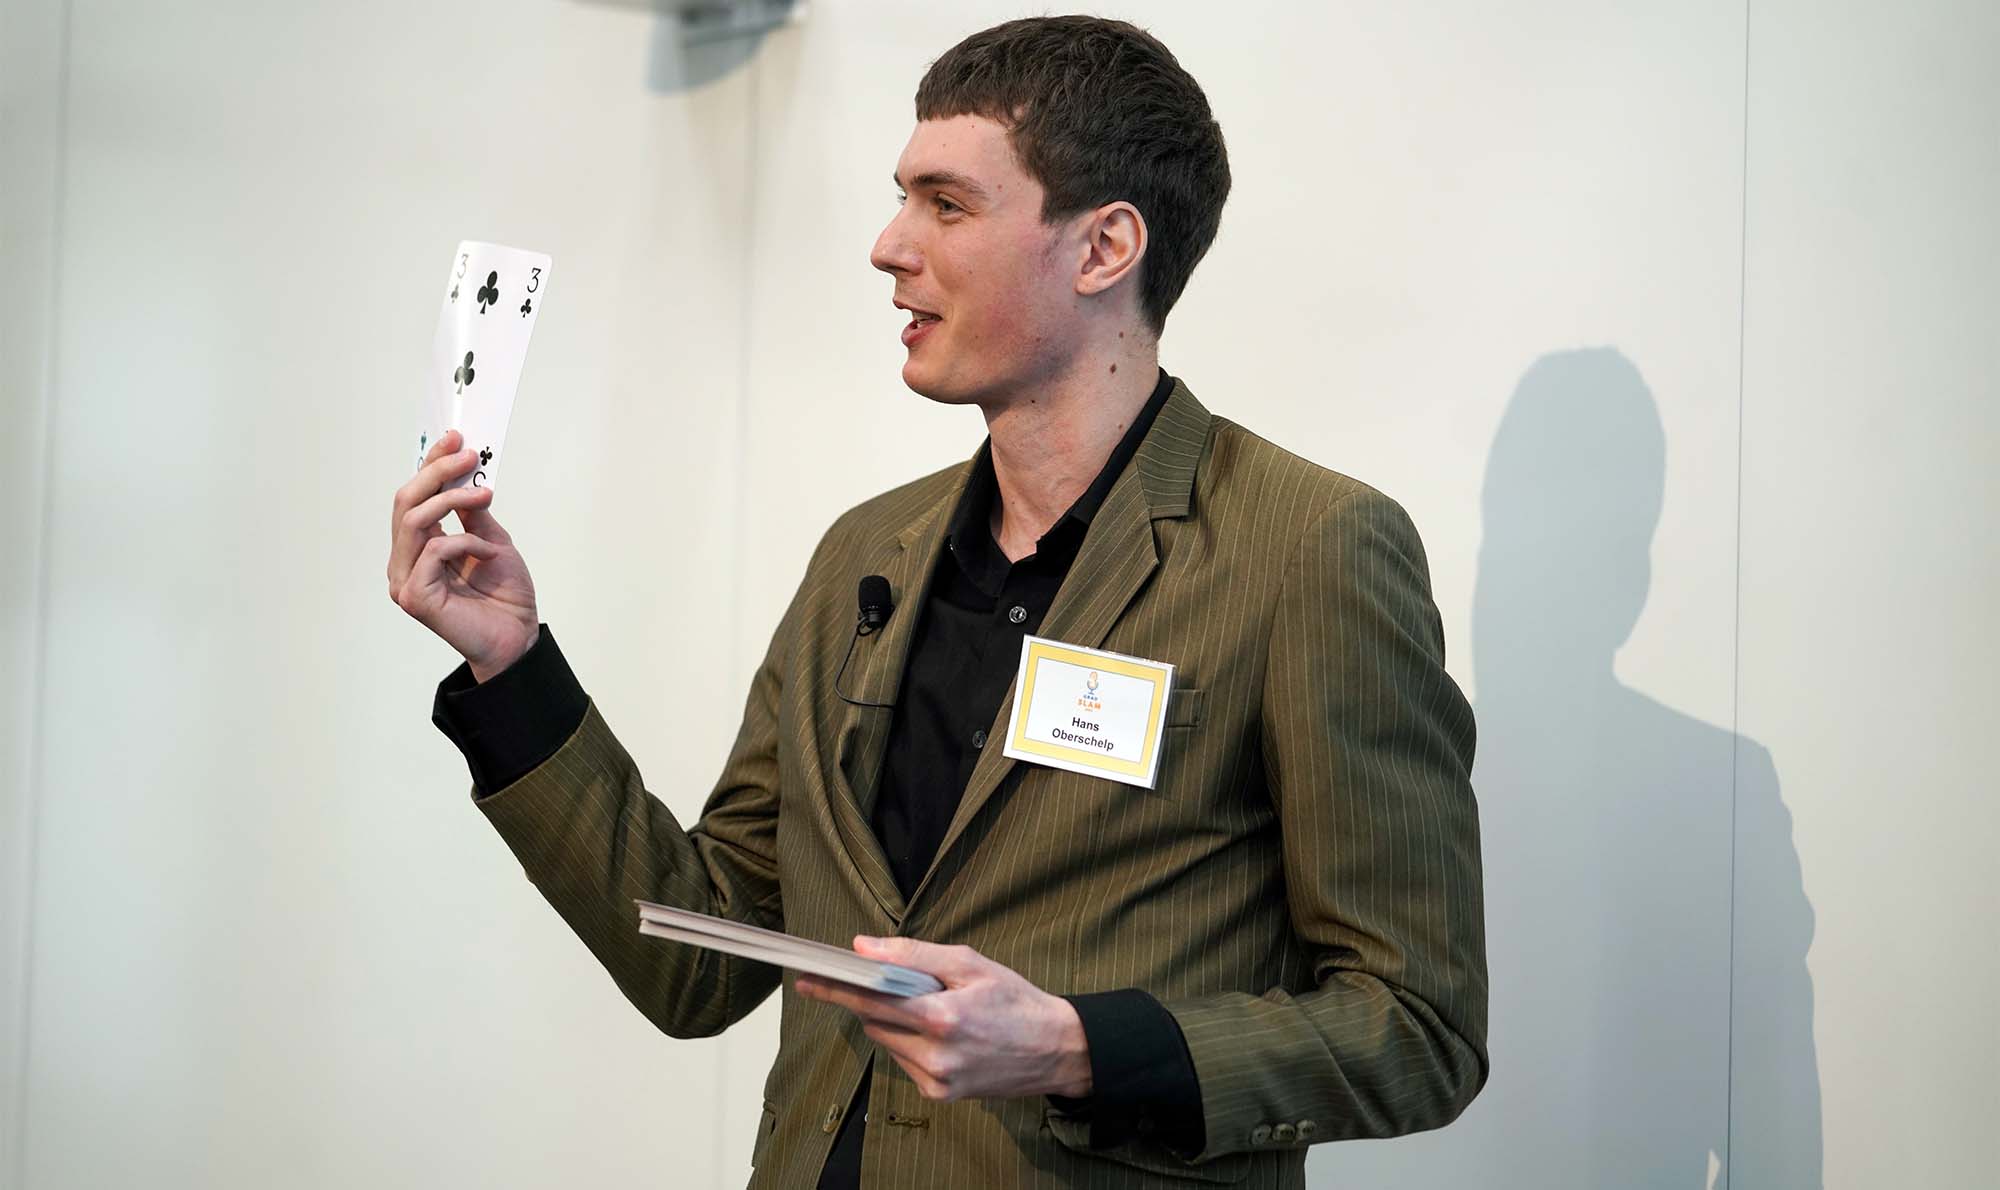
(1164, 466)
(1116, 558)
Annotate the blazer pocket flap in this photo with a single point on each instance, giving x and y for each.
(1183, 706)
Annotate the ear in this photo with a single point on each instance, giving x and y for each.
(1114, 243)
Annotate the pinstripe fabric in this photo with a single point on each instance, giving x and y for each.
(1302, 890)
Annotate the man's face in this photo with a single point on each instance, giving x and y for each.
(991, 287)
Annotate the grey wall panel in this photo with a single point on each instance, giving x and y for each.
(31, 92)
(1864, 951)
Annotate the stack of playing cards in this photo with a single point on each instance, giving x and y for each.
(782, 950)
(492, 298)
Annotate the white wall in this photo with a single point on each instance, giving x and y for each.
(1553, 275)
(273, 942)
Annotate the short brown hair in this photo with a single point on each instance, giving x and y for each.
(1098, 111)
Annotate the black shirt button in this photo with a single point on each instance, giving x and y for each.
(979, 738)
(1017, 613)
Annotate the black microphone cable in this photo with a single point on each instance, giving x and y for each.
(876, 604)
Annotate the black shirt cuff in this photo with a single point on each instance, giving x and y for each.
(513, 721)
(1142, 1076)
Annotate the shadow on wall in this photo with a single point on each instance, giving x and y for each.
(678, 61)
(1606, 835)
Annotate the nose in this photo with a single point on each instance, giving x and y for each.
(894, 252)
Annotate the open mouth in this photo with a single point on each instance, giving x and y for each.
(919, 325)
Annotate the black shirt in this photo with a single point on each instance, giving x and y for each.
(963, 656)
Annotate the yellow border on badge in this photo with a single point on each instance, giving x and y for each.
(1039, 651)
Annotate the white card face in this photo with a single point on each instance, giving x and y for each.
(493, 296)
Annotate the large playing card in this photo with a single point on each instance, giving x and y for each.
(493, 295)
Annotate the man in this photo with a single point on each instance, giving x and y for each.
(1280, 941)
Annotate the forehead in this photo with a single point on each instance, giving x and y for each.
(972, 147)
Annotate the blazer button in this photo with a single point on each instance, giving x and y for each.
(1284, 1134)
(1260, 1134)
(832, 1119)
(1306, 1129)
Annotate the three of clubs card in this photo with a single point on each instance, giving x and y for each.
(492, 297)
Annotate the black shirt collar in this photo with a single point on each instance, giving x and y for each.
(971, 536)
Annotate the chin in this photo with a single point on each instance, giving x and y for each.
(926, 383)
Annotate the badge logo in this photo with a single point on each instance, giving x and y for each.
(1088, 700)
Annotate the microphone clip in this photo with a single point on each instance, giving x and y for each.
(875, 605)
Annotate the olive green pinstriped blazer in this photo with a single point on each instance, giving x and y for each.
(1301, 890)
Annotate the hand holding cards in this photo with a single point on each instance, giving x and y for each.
(493, 294)
(782, 950)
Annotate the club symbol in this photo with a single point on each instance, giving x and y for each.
(527, 307)
(485, 455)
(489, 293)
(464, 373)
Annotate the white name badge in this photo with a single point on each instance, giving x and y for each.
(1089, 711)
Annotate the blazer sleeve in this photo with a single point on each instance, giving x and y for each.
(593, 840)
(1368, 749)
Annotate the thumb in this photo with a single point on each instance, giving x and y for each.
(483, 522)
(945, 962)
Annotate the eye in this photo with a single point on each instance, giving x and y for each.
(946, 206)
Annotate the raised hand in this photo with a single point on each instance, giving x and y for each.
(470, 588)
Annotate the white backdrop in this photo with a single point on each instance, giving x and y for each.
(1671, 325)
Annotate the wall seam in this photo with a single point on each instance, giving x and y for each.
(740, 451)
(38, 664)
(1736, 626)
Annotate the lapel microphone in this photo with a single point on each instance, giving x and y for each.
(875, 605)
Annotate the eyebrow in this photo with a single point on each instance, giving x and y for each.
(942, 178)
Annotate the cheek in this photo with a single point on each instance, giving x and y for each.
(1009, 296)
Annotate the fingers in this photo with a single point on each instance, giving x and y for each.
(432, 511)
(869, 1006)
(952, 964)
(479, 519)
(443, 463)
(420, 504)
(428, 574)
(931, 1066)
(447, 443)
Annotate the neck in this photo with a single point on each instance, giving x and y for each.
(1049, 444)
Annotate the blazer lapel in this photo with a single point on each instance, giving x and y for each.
(1118, 555)
(873, 676)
